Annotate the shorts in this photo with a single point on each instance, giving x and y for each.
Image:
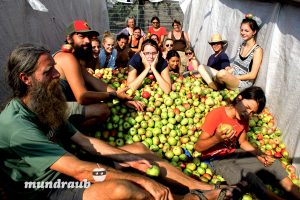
(75, 108)
(244, 84)
(66, 194)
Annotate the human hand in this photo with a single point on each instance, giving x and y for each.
(229, 69)
(90, 70)
(138, 105)
(155, 61)
(266, 160)
(157, 190)
(121, 94)
(144, 60)
(225, 133)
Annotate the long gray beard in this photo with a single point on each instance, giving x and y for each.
(49, 103)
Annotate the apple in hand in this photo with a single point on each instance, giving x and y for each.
(67, 48)
(225, 127)
(153, 171)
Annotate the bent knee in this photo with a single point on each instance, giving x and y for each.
(221, 75)
(100, 110)
(122, 189)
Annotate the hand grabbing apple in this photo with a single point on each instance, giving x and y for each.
(225, 132)
(121, 94)
(153, 171)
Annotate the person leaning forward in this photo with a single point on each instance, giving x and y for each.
(33, 125)
(84, 92)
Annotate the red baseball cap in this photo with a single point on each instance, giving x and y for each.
(80, 26)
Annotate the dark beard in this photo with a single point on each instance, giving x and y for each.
(49, 103)
(241, 109)
(83, 54)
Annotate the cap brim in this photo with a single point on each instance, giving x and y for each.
(88, 31)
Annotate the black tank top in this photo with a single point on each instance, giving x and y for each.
(179, 45)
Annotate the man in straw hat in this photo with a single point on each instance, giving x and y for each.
(219, 60)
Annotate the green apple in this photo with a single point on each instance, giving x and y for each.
(153, 171)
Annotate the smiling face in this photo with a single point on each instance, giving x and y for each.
(246, 32)
(217, 47)
(177, 27)
(137, 33)
(174, 62)
(108, 45)
(245, 109)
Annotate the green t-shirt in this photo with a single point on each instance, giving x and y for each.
(27, 148)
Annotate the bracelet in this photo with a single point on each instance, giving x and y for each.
(112, 95)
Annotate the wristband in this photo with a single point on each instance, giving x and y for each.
(112, 95)
(99, 174)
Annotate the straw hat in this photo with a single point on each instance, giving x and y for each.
(216, 38)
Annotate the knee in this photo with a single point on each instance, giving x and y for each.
(121, 189)
(114, 189)
(102, 111)
(221, 75)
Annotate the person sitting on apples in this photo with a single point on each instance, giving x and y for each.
(226, 126)
(244, 69)
(149, 61)
(86, 107)
(34, 126)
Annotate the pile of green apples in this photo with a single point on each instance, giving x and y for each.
(171, 124)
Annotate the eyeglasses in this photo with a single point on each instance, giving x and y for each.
(150, 53)
(169, 45)
(188, 53)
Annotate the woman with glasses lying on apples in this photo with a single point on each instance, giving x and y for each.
(149, 62)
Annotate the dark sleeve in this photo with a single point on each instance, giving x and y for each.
(209, 62)
(224, 61)
(135, 61)
(162, 64)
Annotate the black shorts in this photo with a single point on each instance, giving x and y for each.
(66, 194)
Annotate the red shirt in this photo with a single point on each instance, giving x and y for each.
(213, 119)
(161, 31)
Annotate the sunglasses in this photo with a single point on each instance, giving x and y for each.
(188, 53)
(169, 45)
(155, 22)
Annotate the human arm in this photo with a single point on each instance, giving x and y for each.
(76, 76)
(99, 147)
(162, 37)
(257, 60)
(187, 39)
(207, 140)
(69, 165)
(134, 80)
(163, 79)
(246, 146)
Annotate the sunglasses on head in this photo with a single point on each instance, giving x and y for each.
(169, 45)
(188, 53)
